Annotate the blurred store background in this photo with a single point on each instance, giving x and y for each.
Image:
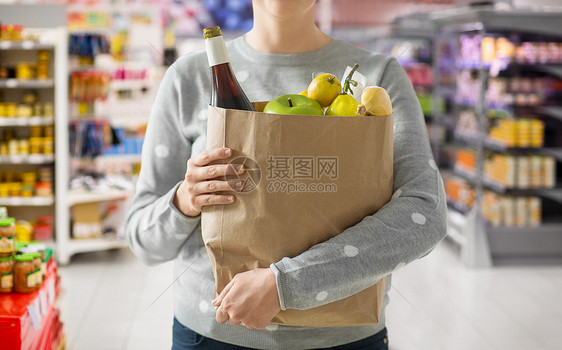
(77, 81)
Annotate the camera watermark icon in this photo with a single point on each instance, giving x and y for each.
(251, 175)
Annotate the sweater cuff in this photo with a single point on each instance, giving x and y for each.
(278, 283)
(190, 220)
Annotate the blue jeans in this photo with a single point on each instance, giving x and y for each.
(184, 339)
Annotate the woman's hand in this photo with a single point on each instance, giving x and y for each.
(201, 182)
(250, 298)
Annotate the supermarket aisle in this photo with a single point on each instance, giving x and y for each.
(435, 304)
(439, 304)
(106, 299)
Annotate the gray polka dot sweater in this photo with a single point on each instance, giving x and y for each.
(405, 229)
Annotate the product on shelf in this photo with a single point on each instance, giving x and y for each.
(505, 132)
(129, 73)
(506, 50)
(467, 123)
(504, 92)
(11, 32)
(43, 228)
(89, 85)
(37, 273)
(466, 159)
(511, 171)
(24, 274)
(24, 183)
(521, 172)
(38, 142)
(22, 263)
(86, 46)
(498, 210)
(24, 70)
(525, 132)
(24, 231)
(6, 274)
(7, 235)
(28, 107)
(458, 191)
(511, 211)
(231, 15)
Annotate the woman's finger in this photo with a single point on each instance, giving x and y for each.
(208, 156)
(213, 199)
(233, 322)
(214, 171)
(217, 186)
(221, 316)
(218, 300)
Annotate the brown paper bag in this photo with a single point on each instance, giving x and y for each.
(308, 178)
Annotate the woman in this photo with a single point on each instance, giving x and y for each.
(276, 57)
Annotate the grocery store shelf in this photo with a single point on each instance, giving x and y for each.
(502, 148)
(81, 196)
(543, 240)
(31, 121)
(514, 21)
(109, 8)
(30, 159)
(472, 140)
(26, 84)
(26, 201)
(554, 152)
(490, 105)
(90, 30)
(447, 90)
(92, 245)
(461, 208)
(471, 177)
(456, 222)
(456, 236)
(468, 175)
(124, 158)
(129, 84)
(553, 111)
(482, 244)
(472, 65)
(24, 45)
(554, 194)
(552, 69)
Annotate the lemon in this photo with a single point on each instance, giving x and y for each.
(343, 106)
(377, 101)
(304, 93)
(324, 89)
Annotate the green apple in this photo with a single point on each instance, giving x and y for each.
(293, 104)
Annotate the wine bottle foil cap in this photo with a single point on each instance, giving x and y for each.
(212, 32)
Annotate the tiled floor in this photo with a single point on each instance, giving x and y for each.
(436, 303)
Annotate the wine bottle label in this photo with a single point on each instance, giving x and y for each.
(216, 51)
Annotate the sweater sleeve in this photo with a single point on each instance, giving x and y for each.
(155, 228)
(408, 227)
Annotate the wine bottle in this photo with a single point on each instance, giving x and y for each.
(226, 91)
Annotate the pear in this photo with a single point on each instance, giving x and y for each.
(376, 101)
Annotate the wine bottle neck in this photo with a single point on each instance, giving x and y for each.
(216, 51)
